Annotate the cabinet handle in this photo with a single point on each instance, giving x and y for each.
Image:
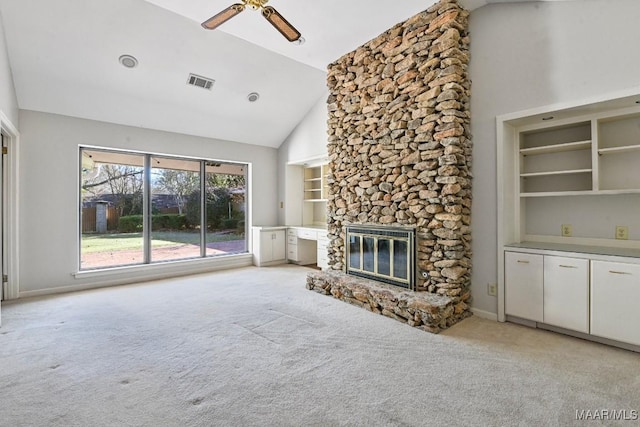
(568, 266)
(620, 272)
(523, 262)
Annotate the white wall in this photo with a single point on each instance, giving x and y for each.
(49, 187)
(307, 141)
(8, 101)
(527, 55)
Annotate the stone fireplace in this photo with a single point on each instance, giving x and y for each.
(400, 156)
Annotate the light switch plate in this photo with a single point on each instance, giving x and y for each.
(622, 232)
(567, 230)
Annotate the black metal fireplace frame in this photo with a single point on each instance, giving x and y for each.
(375, 232)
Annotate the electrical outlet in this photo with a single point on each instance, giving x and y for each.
(567, 230)
(622, 232)
(492, 289)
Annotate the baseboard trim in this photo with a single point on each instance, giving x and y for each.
(125, 276)
(484, 314)
(575, 334)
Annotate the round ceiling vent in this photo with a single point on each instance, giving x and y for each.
(128, 61)
(253, 96)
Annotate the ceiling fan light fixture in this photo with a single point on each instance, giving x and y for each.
(128, 61)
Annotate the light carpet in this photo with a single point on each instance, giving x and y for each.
(253, 347)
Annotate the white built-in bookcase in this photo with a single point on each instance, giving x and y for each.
(583, 171)
(573, 164)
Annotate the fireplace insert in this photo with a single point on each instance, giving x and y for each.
(385, 254)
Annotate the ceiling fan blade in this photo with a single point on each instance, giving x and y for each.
(281, 24)
(216, 20)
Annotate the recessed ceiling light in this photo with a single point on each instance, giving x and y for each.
(548, 118)
(253, 96)
(300, 41)
(128, 61)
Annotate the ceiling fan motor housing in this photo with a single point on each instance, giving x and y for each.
(255, 4)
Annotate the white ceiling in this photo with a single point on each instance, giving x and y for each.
(64, 60)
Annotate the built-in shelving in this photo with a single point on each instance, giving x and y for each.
(558, 193)
(581, 172)
(567, 172)
(315, 194)
(619, 150)
(556, 148)
(570, 182)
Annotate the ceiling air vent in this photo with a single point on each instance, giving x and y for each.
(199, 81)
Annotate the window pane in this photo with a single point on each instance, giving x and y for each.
(175, 209)
(226, 206)
(111, 219)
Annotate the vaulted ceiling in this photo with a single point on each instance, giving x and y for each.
(64, 59)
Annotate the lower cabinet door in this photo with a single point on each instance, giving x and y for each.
(615, 298)
(523, 278)
(279, 245)
(566, 293)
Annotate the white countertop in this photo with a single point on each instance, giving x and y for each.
(270, 227)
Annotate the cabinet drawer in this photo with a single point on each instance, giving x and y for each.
(292, 240)
(615, 293)
(307, 234)
(292, 253)
(524, 285)
(292, 232)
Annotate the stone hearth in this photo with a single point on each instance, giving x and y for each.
(400, 154)
(423, 310)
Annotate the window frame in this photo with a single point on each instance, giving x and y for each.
(147, 207)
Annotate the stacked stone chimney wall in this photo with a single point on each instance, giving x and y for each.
(400, 144)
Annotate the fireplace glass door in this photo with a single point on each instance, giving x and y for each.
(385, 254)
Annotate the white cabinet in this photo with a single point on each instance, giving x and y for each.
(269, 245)
(583, 292)
(322, 248)
(615, 293)
(566, 293)
(524, 285)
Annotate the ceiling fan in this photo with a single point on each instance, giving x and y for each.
(270, 14)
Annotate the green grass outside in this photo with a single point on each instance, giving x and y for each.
(127, 241)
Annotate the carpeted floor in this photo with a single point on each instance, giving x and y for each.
(253, 347)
